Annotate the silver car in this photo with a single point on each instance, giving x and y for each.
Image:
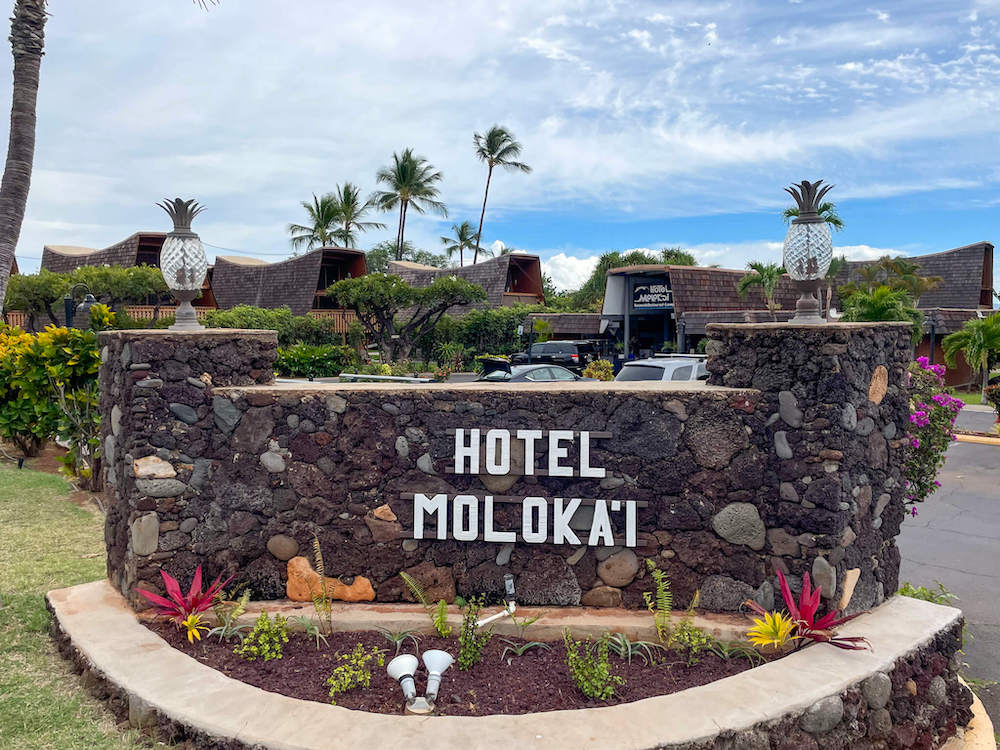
(663, 368)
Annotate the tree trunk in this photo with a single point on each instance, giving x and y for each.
(986, 382)
(402, 232)
(27, 39)
(399, 232)
(482, 215)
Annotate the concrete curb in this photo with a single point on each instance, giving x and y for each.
(160, 680)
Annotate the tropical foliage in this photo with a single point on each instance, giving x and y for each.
(462, 239)
(807, 626)
(766, 276)
(396, 315)
(591, 294)
(599, 369)
(979, 342)
(773, 631)
(932, 420)
(352, 209)
(496, 148)
(314, 361)
(323, 220)
(883, 303)
(48, 389)
(827, 211)
(410, 182)
(176, 606)
(590, 667)
(379, 256)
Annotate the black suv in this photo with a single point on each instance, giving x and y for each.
(573, 355)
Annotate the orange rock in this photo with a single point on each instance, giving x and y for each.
(304, 582)
(384, 513)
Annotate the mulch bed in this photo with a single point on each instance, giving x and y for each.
(537, 681)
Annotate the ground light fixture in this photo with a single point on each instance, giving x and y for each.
(183, 262)
(436, 662)
(402, 669)
(808, 248)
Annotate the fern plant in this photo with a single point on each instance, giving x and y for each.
(660, 601)
(437, 612)
(322, 601)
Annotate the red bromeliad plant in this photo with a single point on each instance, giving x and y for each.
(807, 627)
(177, 607)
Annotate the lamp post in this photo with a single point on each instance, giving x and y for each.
(182, 262)
(808, 248)
(71, 310)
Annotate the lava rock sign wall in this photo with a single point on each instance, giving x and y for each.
(795, 466)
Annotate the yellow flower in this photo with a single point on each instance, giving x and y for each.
(194, 626)
(774, 630)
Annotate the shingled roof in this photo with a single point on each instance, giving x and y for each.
(702, 288)
(966, 273)
(297, 283)
(508, 279)
(141, 247)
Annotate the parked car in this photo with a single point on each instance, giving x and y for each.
(676, 367)
(574, 355)
(502, 371)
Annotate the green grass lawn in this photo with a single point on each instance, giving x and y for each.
(46, 542)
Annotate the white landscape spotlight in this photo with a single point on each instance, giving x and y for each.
(401, 669)
(436, 662)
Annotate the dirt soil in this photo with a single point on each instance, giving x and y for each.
(537, 681)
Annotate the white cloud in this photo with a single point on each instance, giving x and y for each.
(569, 271)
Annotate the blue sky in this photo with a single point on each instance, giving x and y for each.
(647, 124)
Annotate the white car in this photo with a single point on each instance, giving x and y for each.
(678, 367)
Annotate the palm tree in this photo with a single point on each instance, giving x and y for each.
(463, 239)
(826, 210)
(412, 182)
(324, 217)
(498, 149)
(352, 208)
(766, 276)
(27, 43)
(979, 341)
(883, 303)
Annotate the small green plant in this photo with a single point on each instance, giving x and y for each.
(589, 667)
(354, 671)
(687, 637)
(228, 610)
(660, 601)
(398, 637)
(471, 638)
(940, 595)
(736, 650)
(520, 649)
(266, 641)
(623, 648)
(438, 613)
(523, 624)
(599, 369)
(312, 630)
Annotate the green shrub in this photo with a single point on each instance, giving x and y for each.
(940, 595)
(305, 360)
(48, 388)
(599, 369)
(589, 666)
(993, 398)
(266, 641)
(292, 329)
(354, 671)
(472, 639)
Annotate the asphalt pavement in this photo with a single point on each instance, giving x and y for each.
(955, 539)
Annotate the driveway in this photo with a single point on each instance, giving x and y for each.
(955, 539)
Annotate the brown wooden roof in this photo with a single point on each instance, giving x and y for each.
(506, 278)
(65, 258)
(293, 283)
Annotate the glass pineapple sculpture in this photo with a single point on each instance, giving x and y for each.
(808, 247)
(182, 260)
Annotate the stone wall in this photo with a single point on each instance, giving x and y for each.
(791, 467)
